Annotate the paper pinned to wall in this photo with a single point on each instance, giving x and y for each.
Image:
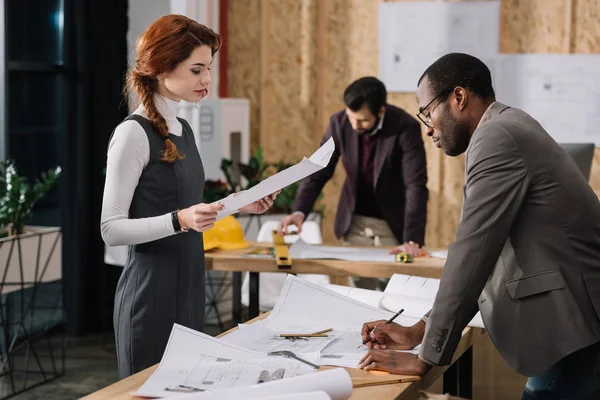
(412, 35)
(561, 91)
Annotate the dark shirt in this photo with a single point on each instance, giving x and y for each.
(366, 202)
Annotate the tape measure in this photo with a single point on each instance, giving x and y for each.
(282, 257)
(404, 257)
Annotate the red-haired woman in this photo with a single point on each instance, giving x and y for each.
(153, 193)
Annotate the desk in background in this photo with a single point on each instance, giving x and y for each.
(235, 261)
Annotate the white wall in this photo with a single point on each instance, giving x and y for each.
(143, 12)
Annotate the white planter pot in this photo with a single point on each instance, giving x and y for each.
(30, 258)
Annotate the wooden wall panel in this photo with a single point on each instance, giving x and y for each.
(288, 78)
(534, 26)
(243, 55)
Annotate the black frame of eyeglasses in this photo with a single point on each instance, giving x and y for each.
(443, 92)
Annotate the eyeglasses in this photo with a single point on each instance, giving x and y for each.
(426, 119)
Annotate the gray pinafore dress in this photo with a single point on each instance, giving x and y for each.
(163, 281)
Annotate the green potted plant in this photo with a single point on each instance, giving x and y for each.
(28, 254)
(18, 197)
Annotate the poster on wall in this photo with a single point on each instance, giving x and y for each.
(561, 91)
(412, 35)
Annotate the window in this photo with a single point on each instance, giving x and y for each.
(36, 93)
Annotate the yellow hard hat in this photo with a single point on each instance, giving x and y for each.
(226, 234)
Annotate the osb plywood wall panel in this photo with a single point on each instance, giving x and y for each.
(288, 78)
(293, 59)
(243, 56)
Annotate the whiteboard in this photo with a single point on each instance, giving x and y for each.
(412, 35)
(561, 91)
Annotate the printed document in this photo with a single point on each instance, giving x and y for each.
(334, 384)
(193, 360)
(304, 168)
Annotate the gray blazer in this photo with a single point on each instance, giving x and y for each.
(527, 249)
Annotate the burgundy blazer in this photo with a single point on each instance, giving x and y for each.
(400, 175)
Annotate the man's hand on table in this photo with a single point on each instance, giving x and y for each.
(393, 362)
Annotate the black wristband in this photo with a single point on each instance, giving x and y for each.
(175, 220)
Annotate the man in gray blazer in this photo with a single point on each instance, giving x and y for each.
(527, 249)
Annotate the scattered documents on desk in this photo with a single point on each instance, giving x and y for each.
(335, 384)
(304, 168)
(416, 295)
(193, 361)
(258, 337)
(305, 307)
(304, 251)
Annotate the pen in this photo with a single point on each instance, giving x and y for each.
(389, 321)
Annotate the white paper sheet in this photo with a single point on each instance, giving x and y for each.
(304, 251)
(416, 295)
(319, 395)
(304, 168)
(305, 305)
(412, 35)
(441, 254)
(561, 91)
(194, 359)
(414, 286)
(258, 337)
(370, 297)
(336, 383)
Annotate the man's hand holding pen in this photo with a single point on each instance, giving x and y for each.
(383, 336)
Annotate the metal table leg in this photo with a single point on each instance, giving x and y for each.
(236, 288)
(465, 374)
(458, 379)
(253, 309)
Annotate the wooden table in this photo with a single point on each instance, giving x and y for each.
(366, 385)
(235, 261)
